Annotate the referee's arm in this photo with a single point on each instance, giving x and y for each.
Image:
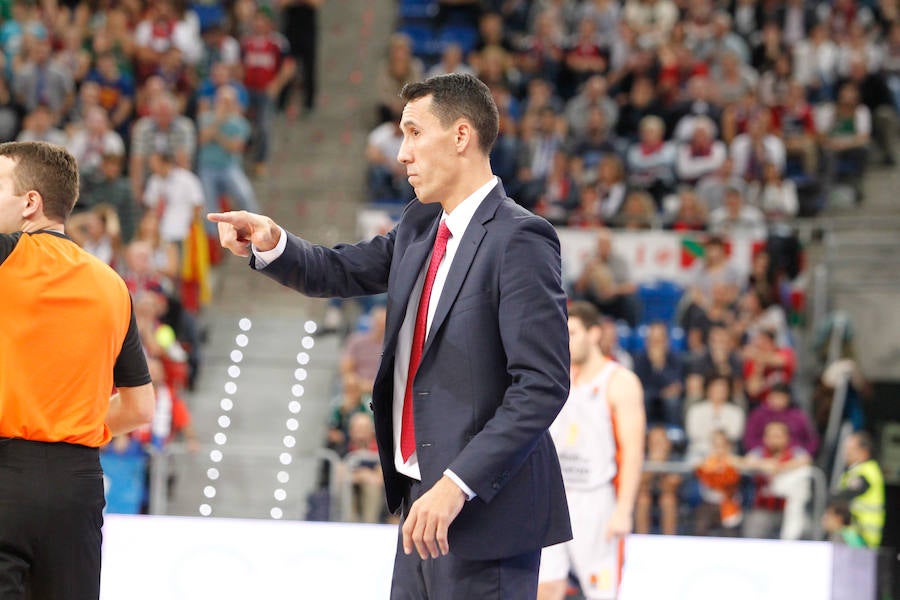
(133, 405)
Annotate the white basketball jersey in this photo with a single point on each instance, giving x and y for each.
(584, 434)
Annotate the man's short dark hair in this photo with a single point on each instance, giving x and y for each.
(719, 376)
(781, 388)
(456, 96)
(585, 312)
(865, 441)
(47, 169)
(841, 509)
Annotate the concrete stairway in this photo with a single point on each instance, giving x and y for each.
(315, 188)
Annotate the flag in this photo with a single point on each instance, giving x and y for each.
(195, 288)
(691, 251)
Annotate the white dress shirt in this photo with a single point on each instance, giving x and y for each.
(457, 222)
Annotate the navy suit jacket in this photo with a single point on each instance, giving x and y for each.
(494, 369)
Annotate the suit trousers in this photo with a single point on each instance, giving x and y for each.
(51, 512)
(452, 577)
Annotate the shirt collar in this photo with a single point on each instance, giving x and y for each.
(458, 220)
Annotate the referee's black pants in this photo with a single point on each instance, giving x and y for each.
(51, 512)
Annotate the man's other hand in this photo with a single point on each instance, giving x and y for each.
(429, 519)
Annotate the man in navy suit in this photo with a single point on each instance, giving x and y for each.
(476, 355)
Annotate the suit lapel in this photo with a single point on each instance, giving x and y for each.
(409, 268)
(462, 261)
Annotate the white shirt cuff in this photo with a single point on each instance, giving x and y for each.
(459, 482)
(264, 258)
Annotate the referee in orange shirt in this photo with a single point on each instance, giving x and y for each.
(67, 334)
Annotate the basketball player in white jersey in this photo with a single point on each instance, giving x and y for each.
(599, 435)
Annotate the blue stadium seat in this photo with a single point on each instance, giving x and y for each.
(638, 339)
(624, 332)
(425, 44)
(660, 300)
(465, 36)
(677, 340)
(418, 9)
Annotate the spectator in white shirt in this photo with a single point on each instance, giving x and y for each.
(651, 161)
(386, 175)
(774, 195)
(736, 218)
(845, 128)
(713, 414)
(39, 128)
(93, 141)
(815, 63)
(750, 151)
(703, 154)
(451, 62)
(176, 194)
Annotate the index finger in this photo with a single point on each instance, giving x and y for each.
(226, 217)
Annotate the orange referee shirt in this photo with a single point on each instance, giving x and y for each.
(67, 334)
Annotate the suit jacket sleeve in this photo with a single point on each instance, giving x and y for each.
(346, 270)
(534, 332)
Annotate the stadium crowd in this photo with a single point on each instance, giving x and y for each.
(719, 120)
(159, 102)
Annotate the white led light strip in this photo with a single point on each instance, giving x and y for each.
(293, 424)
(226, 404)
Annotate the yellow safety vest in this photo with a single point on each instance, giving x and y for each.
(867, 509)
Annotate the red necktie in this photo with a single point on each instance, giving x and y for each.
(407, 427)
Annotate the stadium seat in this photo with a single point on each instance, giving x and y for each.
(638, 339)
(624, 332)
(425, 44)
(417, 9)
(677, 340)
(660, 300)
(465, 36)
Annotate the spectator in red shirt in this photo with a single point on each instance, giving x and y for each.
(584, 57)
(268, 67)
(778, 407)
(781, 487)
(766, 364)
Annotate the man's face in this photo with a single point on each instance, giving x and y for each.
(428, 151)
(580, 340)
(778, 400)
(851, 450)
(776, 437)
(657, 336)
(261, 24)
(12, 205)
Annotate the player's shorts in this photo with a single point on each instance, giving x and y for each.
(594, 561)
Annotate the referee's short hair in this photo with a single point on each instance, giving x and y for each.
(48, 169)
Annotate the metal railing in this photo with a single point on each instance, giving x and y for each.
(160, 466)
(817, 480)
(351, 462)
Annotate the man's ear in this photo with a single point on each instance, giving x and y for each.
(34, 205)
(465, 135)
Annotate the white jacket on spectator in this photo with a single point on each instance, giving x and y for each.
(776, 201)
(703, 419)
(645, 169)
(815, 64)
(692, 168)
(862, 120)
(749, 221)
(179, 196)
(742, 146)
